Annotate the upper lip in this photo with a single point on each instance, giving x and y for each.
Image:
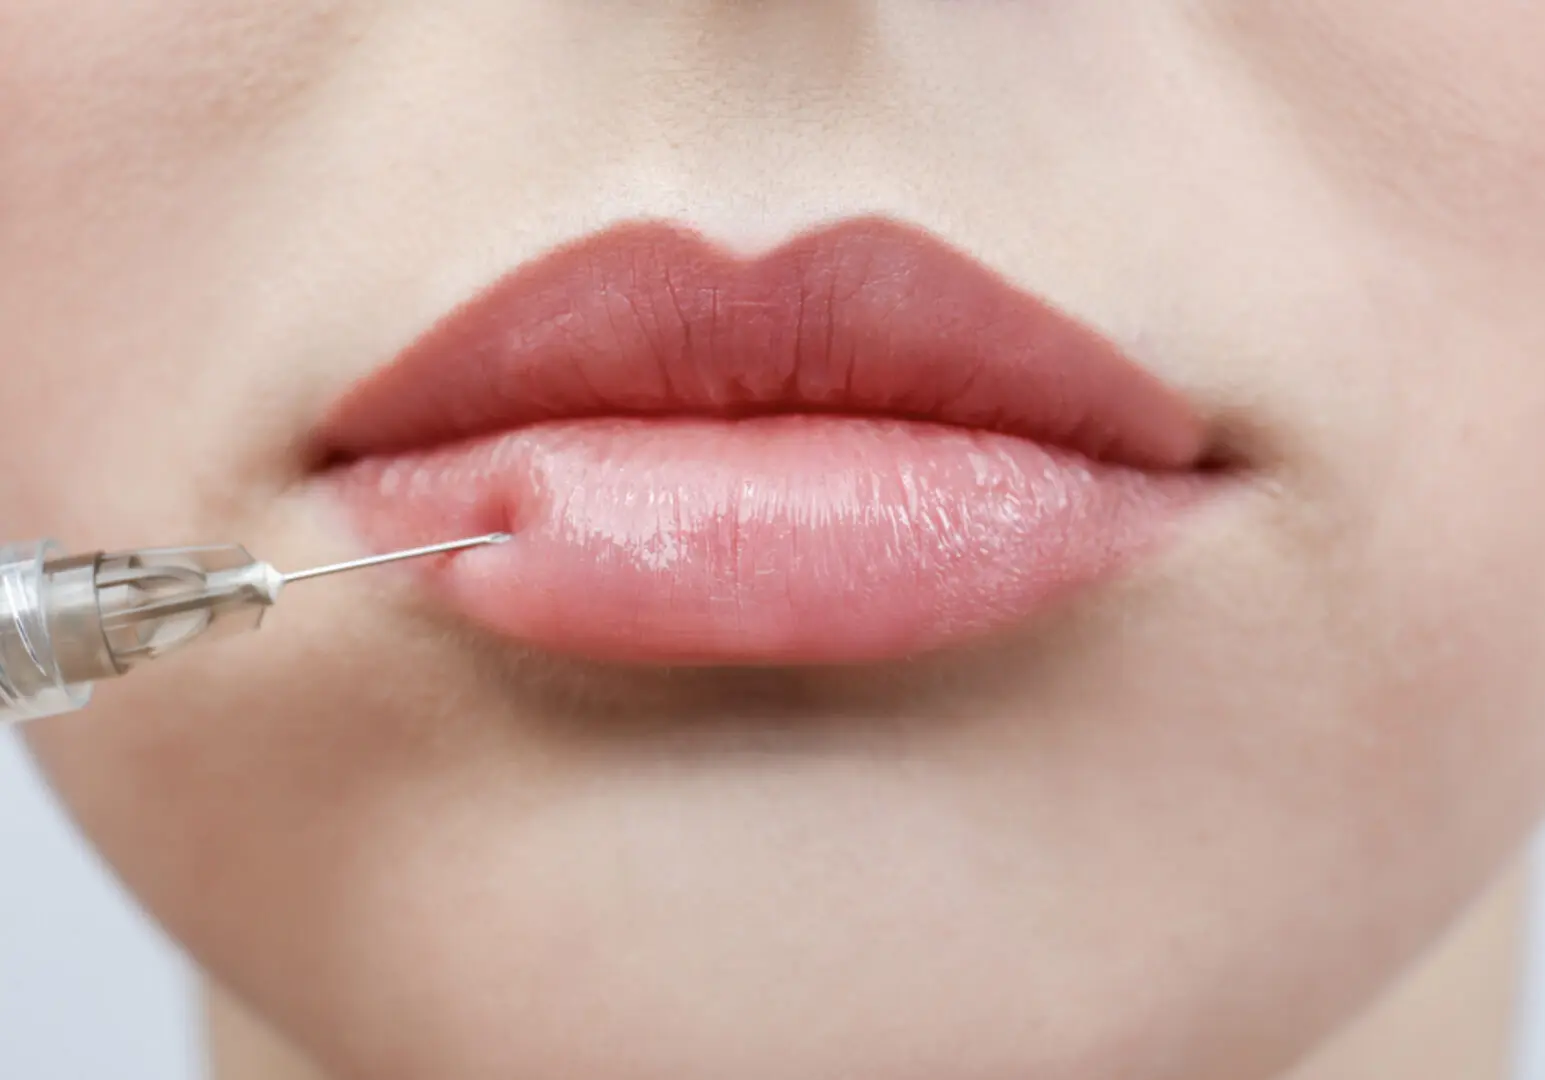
(867, 317)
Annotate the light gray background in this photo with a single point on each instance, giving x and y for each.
(90, 990)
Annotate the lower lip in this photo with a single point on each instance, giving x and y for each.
(780, 540)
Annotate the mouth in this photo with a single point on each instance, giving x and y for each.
(861, 446)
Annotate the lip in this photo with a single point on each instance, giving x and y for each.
(859, 446)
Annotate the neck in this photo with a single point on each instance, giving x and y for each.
(1450, 1018)
(242, 1047)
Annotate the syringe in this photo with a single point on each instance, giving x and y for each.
(69, 621)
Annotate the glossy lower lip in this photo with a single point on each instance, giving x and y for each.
(861, 446)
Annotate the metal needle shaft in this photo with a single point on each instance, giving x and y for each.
(395, 556)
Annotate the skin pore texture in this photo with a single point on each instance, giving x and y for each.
(1220, 820)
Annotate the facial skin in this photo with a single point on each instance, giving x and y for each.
(1184, 830)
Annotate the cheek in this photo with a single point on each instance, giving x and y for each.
(132, 134)
(147, 85)
(1431, 113)
(1441, 590)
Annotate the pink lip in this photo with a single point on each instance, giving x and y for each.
(862, 445)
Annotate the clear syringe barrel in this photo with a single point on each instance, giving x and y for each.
(69, 621)
(32, 684)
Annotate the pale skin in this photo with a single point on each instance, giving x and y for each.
(1248, 815)
(1450, 1016)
